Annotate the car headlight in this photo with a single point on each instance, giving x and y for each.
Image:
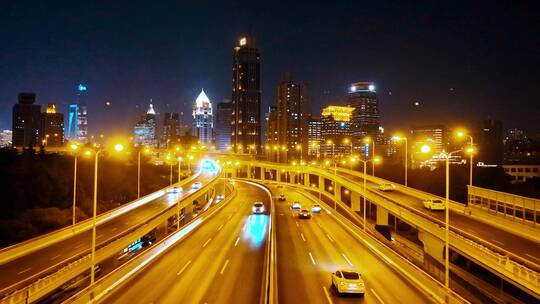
(342, 283)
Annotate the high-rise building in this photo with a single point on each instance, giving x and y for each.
(82, 118)
(315, 138)
(203, 119)
(432, 135)
(292, 112)
(72, 133)
(336, 128)
(52, 127)
(26, 121)
(271, 137)
(246, 96)
(145, 129)
(222, 128)
(491, 149)
(365, 117)
(171, 128)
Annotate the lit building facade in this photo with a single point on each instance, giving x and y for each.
(272, 147)
(171, 128)
(336, 128)
(490, 141)
(246, 96)
(315, 138)
(365, 117)
(82, 115)
(26, 121)
(292, 117)
(203, 119)
(145, 129)
(222, 128)
(52, 127)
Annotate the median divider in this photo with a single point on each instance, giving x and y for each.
(122, 275)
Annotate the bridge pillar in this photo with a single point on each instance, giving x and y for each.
(433, 246)
(278, 175)
(321, 183)
(355, 201)
(249, 173)
(292, 177)
(337, 192)
(306, 180)
(382, 216)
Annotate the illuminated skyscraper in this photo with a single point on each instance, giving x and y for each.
(315, 139)
(246, 96)
(203, 118)
(82, 119)
(171, 128)
(292, 120)
(52, 127)
(222, 129)
(145, 129)
(26, 121)
(365, 117)
(336, 127)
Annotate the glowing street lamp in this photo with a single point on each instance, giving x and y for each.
(74, 148)
(368, 140)
(376, 160)
(461, 134)
(400, 138)
(144, 150)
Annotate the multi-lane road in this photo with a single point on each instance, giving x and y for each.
(38, 261)
(519, 246)
(221, 262)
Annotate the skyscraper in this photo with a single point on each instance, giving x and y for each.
(336, 127)
(315, 139)
(222, 128)
(26, 121)
(271, 135)
(73, 125)
(246, 96)
(292, 120)
(365, 117)
(82, 119)
(491, 148)
(203, 118)
(145, 129)
(52, 127)
(171, 128)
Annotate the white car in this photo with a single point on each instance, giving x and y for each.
(196, 185)
(296, 206)
(176, 190)
(434, 204)
(348, 281)
(387, 187)
(220, 197)
(258, 208)
(316, 208)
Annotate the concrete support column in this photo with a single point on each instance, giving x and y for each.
(321, 183)
(433, 246)
(292, 177)
(306, 180)
(355, 201)
(188, 212)
(382, 216)
(337, 192)
(278, 172)
(249, 174)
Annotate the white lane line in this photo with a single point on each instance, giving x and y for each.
(302, 235)
(377, 296)
(99, 236)
(347, 259)
(220, 227)
(55, 257)
(312, 259)
(296, 223)
(183, 268)
(77, 246)
(27, 269)
(329, 237)
(224, 266)
(319, 225)
(206, 243)
(500, 243)
(532, 256)
(114, 229)
(229, 217)
(327, 295)
(244, 227)
(236, 243)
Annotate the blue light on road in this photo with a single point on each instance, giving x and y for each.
(256, 230)
(208, 166)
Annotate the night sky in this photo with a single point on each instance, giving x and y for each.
(462, 60)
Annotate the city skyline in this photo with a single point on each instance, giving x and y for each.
(475, 86)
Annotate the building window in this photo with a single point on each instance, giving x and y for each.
(520, 169)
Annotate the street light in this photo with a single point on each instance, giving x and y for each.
(461, 134)
(299, 148)
(348, 141)
(145, 150)
(180, 159)
(400, 138)
(373, 160)
(74, 147)
(117, 148)
(331, 142)
(178, 200)
(369, 140)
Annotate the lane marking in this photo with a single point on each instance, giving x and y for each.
(206, 243)
(77, 246)
(27, 269)
(329, 237)
(319, 225)
(183, 268)
(327, 295)
(377, 296)
(220, 227)
(224, 266)
(347, 259)
(302, 235)
(500, 243)
(244, 227)
(229, 217)
(55, 257)
(296, 223)
(114, 229)
(532, 256)
(312, 259)
(237, 240)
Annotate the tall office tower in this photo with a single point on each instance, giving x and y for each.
(203, 119)
(145, 129)
(82, 118)
(222, 128)
(315, 139)
(272, 147)
(365, 117)
(171, 129)
(72, 133)
(246, 96)
(26, 121)
(490, 142)
(434, 136)
(52, 127)
(292, 109)
(336, 128)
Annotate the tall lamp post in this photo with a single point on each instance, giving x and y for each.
(180, 159)
(117, 148)
(74, 147)
(373, 160)
(145, 150)
(368, 140)
(400, 138)
(331, 142)
(462, 134)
